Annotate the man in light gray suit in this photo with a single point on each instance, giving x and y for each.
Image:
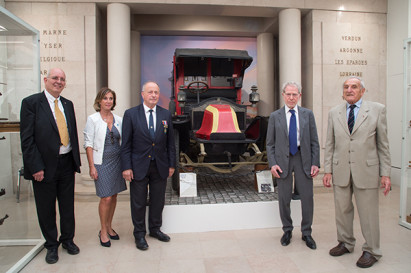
(292, 147)
(356, 157)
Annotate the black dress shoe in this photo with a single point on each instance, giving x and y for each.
(285, 240)
(309, 241)
(160, 236)
(52, 256)
(105, 244)
(114, 237)
(71, 248)
(141, 243)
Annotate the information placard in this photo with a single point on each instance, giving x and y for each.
(264, 181)
(188, 184)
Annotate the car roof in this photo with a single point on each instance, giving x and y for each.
(214, 53)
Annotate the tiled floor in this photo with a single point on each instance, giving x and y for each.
(237, 251)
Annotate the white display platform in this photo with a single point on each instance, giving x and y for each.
(232, 216)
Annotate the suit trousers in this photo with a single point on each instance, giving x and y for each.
(367, 207)
(61, 188)
(138, 201)
(304, 186)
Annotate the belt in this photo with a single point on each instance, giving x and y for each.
(64, 155)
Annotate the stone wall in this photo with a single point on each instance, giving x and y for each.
(68, 39)
(338, 45)
(335, 44)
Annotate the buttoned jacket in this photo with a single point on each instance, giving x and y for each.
(364, 154)
(137, 147)
(278, 147)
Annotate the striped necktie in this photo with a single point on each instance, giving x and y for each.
(351, 120)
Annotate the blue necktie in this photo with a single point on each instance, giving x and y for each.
(151, 124)
(351, 120)
(292, 134)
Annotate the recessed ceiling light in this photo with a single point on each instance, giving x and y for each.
(2, 28)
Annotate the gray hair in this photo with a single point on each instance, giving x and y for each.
(292, 83)
(145, 84)
(53, 69)
(358, 78)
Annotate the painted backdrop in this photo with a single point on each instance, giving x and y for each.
(157, 58)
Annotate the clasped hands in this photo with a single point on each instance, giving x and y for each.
(276, 170)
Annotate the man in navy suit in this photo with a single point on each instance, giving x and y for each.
(51, 157)
(148, 157)
(292, 147)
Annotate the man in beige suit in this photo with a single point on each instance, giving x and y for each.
(357, 157)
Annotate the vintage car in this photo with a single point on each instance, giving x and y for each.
(208, 117)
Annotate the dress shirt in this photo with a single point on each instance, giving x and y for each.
(356, 109)
(51, 99)
(147, 112)
(288, 116)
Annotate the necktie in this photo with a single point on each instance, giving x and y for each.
(61, 124)
(292, 134)
(351, 120)
(151, 124)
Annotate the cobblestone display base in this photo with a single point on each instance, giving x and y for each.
(216, 188)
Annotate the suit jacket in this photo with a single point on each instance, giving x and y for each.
(137, 144)
(40, 139)
(365, 153)
(278, 147)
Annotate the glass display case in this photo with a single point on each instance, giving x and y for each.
(20, 236)
(405, 200)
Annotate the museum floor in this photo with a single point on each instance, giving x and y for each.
(256, 250)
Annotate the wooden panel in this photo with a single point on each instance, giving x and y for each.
(9, 127)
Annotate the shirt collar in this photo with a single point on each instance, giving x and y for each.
(147, 109)
(50, 97)
(287, 109)
(358, 103)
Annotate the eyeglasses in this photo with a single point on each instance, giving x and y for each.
(55, 78)
(112, 137)
(291, 95)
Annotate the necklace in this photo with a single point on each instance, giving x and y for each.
(108, 117)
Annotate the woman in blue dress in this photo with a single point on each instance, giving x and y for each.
(102, 137)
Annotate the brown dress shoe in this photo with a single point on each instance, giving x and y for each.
(366, 260)
(339, 250)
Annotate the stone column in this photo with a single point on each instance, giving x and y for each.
(118, 51)
(135, 69)
(289, 38)
(265, 73)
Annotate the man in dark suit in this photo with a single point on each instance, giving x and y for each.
(292, 147)
(148, 157)
(51, 156)
(356, 158)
